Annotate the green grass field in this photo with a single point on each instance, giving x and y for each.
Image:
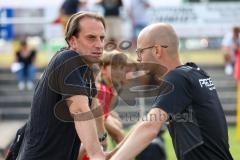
(234, 145)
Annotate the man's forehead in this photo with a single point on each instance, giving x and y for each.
(88, 32)
(142, 40)
(91, 25)
(93, 33)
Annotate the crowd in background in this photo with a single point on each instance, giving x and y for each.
(113, 11)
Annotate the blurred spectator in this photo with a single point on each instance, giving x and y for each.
(109, 83)
(25, 57)
(230, 44)
(70, 7)
(112, 18)
(138, 17)
(95, 6)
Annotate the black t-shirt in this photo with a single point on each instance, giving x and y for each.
(48, 136)
(26, 60)
(111, 7)
(197, 123)
(70, 7)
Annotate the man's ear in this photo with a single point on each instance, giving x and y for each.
(159, 51)
(72, 42)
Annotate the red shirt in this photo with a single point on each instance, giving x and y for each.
(105, 96)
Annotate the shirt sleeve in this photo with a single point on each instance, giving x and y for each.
(176, 100)
(76, 81)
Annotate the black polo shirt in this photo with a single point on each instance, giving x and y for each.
(197, 123)
(50, 132)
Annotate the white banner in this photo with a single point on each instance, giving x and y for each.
(201, 19)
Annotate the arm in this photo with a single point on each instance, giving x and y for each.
(86, 130)
(142, 135)
(114, 130)
(100, 123)
(101, 131)
(100, 128)
(114, 114)
(82, 152)
(99, 120)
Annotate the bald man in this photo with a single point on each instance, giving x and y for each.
(195, 117)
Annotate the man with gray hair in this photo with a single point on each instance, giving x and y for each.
(195, 117)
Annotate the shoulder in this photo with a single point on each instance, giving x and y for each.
(182, 74)
(179, 72)
(66, 56)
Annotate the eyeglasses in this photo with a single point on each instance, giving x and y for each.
(139, 51)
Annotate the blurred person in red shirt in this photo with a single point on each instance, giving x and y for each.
(230, 45)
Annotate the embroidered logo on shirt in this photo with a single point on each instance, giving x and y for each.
(207, 83)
